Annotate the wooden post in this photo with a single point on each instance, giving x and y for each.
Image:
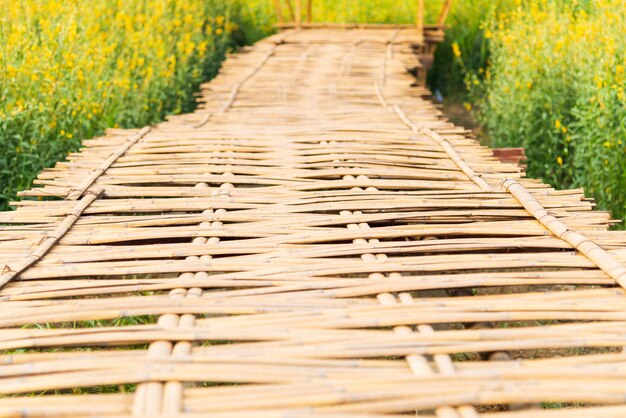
(309, 11)
(298, 14)
(420, 17)
(279, 11)
(445, 9)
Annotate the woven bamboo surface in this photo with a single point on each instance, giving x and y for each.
(315, 240)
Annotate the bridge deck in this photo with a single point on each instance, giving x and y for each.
(315, 240)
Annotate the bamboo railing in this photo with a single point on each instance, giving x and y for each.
(425, 41)
(316, 240)
(300, 14)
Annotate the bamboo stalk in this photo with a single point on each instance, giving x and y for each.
(589, 249)
(443, 14)
(76, 193)
(10, 272)
(298, 12)
(309, 11)
(419, 18)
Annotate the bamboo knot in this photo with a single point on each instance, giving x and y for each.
(42, 239)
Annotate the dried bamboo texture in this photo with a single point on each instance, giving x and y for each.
(316, 240)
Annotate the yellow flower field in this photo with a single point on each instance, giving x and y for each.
(558, 90)
(70, 68)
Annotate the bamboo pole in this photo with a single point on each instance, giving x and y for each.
(443, 14)
(419, 18)
(298, 13)
(598, 255)
(77, 192)
(334, 25)
(10, 272)
(309, 11)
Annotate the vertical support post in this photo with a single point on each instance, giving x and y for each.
(445, 9)
(298, 14)
(309, 11)
(279, 11)
(420, 18)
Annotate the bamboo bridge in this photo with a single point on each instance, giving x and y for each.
(316, 240)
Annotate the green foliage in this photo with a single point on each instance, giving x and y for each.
(255, 20)
(556, 87)
(465, 32)
(68, 70)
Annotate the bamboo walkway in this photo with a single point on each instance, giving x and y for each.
(315, 240)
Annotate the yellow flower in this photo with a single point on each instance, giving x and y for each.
(456, 50)
(467, 106)
(557, 124)
(598, 82)
(559, 160)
